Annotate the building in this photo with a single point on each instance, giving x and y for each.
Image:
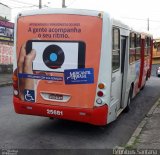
(156, 51)
(6, 39)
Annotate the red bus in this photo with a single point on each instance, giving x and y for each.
(83, 65)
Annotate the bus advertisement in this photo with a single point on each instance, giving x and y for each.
(77, 65)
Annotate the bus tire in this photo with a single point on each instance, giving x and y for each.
(145, 82)
(143, 85)
(127, 108)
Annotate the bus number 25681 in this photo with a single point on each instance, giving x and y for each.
(55, 112)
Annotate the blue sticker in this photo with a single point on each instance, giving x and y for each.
(29, 95)
(79, 76)
(41, 77)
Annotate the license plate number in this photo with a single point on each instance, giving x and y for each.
(56, 97)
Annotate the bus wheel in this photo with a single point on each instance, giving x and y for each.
(143, 85)
(127, 109)
(145, 82)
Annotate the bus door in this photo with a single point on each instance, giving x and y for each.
(119, 74)
(124, 69)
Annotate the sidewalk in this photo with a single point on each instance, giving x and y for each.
(5, 79)
(147, 134)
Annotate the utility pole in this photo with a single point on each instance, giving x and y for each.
(63, 4)
(40, 4)
(148, 24)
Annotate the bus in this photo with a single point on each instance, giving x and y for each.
(79, 65)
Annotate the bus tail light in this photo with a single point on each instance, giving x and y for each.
(100, 93)
(101, 85)
(15, 82)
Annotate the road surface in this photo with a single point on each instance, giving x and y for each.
(33, 132)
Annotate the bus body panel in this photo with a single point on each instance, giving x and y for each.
(146, 62)
(120, 83)
(95, 116)
(104, 75)
(142, 64)
(137, 66)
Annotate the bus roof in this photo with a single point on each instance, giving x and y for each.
(120, 24)
(63, 11)
(84, 12)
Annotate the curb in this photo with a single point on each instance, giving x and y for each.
(142, 124)
(8, 83)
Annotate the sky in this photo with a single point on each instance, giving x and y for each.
(132, 12)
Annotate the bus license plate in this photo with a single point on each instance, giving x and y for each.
(56, 97)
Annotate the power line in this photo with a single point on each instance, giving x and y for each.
(17, 1)
(134, 18)
(142, 19)
(24, 7)
(4, 14)
(156, 28)
(155, 21)
(14, 3)
(46, 6)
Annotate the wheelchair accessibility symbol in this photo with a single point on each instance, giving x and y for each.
(29, 95)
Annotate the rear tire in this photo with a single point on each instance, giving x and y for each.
(127, 109)
(145, 82)
(143, 85)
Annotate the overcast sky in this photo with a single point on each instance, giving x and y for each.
(132, 12)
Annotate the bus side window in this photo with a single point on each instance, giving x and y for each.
(115, 49)
(158, 47)
(146, 47)
(132, 50)
(149, 46)
(138, 46)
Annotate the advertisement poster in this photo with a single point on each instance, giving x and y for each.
(57, 57)
(6, 31)
(6, 54)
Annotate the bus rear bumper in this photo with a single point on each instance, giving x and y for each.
(95, 116)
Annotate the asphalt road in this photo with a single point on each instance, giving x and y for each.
(33, 132)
